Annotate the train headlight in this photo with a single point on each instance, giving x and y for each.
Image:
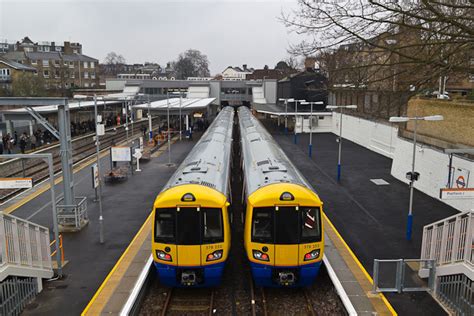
(163, 255)
(216, 255)
(257, 254)
(312, 255)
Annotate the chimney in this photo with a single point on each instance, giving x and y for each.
(245, 67)
(309, 63)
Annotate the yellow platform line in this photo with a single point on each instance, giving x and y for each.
(378, 301)
(107, 288)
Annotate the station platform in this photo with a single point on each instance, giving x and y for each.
(126, 206)
(370, 218)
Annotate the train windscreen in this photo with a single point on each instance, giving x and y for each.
(189, 226)
(286, 225)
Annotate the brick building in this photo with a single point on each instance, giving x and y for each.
(61, 66)
(9, 70)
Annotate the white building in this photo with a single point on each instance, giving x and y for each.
(236, 73)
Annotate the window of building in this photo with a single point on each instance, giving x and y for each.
(92, 64)
(86, 64)
(28, 49)
(46, 49)
(57, 74)
(93, 84)
(40, 48)
(92, 75)
(46, 73)
(58, 49)
(73, 75)
(66, 64)
(45, 63)
(86, 74)
(56, 63)
(5, 72)
(71, 64)
(74, 51)
(34, 62)
(86, 85)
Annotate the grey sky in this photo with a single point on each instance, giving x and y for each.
(228, 32)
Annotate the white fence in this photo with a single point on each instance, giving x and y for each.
(24, 248)
(450, 240)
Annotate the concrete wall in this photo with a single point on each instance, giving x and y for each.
(431, 163)
(271, 91)
(376, 136)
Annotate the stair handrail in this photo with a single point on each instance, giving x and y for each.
(450, 240)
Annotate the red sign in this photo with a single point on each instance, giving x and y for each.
(461, 182)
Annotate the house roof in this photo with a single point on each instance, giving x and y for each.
(44, 55)
(16, 65)
(15, 56)
(78, 57)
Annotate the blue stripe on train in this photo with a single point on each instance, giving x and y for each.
(262, 274)
(212, 274)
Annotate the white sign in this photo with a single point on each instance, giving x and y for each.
(454, 194)
(139, 114)
(99, 118)
(121, 153)
(138, 153)
(100, 129)
(16, 183)
(95, 176)
(141, 143)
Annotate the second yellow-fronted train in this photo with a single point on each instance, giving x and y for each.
(191, 230)
(283, 236)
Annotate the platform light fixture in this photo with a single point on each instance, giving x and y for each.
(339, 158)
(413, 176)
(310, 146)
(286, 111)
(295, 140)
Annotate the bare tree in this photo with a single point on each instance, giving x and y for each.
(191, 63)
(402, 43)
(113, 63)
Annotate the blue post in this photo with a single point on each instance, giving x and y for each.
(151, 135)
(409, 226)
(338, 172)
(295, 139)
(310, 150)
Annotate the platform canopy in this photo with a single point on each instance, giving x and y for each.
(54, 108)
(187, 104)
(279, 110)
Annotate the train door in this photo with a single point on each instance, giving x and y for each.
(286, 236)
(188, 236)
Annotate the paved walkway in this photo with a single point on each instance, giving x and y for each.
(370, 218)
(126, 206)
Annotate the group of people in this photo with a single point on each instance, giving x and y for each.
(10, 142)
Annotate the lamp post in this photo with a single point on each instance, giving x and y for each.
(339, 158)
(295, 139)
(180, 104)
(97, 150)
(286, 112)
(150, 127)
(310, 146)
(412, 176)
(168, 132)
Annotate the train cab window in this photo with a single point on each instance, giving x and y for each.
(212, 225)
(189, 226)
(165, 225)
(286, 223)
(262, 225)
(310, 224)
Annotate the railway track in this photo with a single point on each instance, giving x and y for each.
(189, 302)
(83, 147)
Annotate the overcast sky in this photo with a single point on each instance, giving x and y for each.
(229, 32)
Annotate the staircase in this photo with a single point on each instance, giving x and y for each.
(450, 243)
(25, 258)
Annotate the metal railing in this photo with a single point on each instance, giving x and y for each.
(73, 215)
(15, 293)
(450, 240)
(457, 292)
(23, 244)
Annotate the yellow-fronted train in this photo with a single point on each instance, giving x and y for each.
(283, 234)
(191, 230)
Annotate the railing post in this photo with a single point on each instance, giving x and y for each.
(376, 275)
(3, 254)
(28, 244)
(399, 276)
(424, 243)
(444, 238)
(38, 246)
(456, 236)
(16, 241)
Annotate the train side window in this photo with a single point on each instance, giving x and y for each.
(311, 224)
(212, 225)
(165, 225)
(262, 225)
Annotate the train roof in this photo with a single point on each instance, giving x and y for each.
(208, 163)
(264, 161)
